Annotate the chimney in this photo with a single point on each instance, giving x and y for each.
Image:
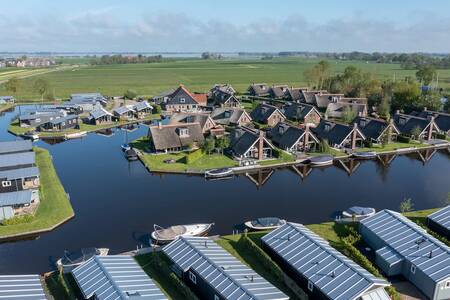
(306, 139)
(430, 128)
(160, 125)
(354, 135)
(431, 254)
(261, 145)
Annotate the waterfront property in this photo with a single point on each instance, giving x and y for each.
(267, 114)
(258, 89)
(87, 101)
(442, 119)
(439, 221)
(204, 119)
(182, 100)
(124, 112)
(17, 161)
(142, 109)
(293, 139)
(377, 130)
(19, 179)
(213, 273)
(6, 100)
(323, 99)
(175, 137)
(250, 145)
(231, 116)
(115, 277)
(404, 248)
(18, 203)
(302, 112)
(416, 127)
(15, 147)
(59, 124)
(99, 116)
(338, 110)
(38, 117)
(341, 136)
(319, 269)
(21, 287)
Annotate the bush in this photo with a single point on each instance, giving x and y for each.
(403, 139)
(280, 154)
(193, 156)
(368, 143)
(157, 109)
(441, 136)
(18, 220)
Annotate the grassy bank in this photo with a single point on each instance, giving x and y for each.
(393, 147)
(54, 206)
(7, 106)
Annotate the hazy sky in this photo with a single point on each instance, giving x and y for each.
(225, 25)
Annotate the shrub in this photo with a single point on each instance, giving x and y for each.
(403, 139)
(280, 154)
(368, 143)
(193, 156)
(441, 136)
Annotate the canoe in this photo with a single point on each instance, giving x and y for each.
(322, 160)
(75, 135)
(358, 212)
(269, 223)
(71, 260)
(162, 235)
(365, 155)
(216, 173)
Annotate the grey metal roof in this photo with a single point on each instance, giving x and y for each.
(16, 198)
(17, 159)
(20, 173)
(63, 119)
(15, 146)
(142, 105)
(115, 277)
(226, 274)
(228, 115)
(123, 110)
(389, 255)
(21, 287)
(411, 242)
(441, 217)
(328, 270)
(99, 112)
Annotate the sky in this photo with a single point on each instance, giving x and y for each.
(224, 25)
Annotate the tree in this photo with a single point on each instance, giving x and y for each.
(222, 143)
(13, 86)
(415, 132)
(405, 95)
(348, 115)
(130, 94)
(406, 205)
(384, 108)
(318, 74)
(42, 87)
(426, 74)
(324, 147)
(208, 145)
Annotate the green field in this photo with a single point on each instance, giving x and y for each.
(198, 75)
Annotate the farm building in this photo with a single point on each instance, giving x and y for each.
(230, 116)
(67, 122)
(440, 221)
(21, 287)
(301, 112)
(175, 137)
(293, 139)
(377, 129)
(319, 269)
(213, 273)
(339, 135)
(267, 114)
(15, 147)
(404, 248)
(115, 277)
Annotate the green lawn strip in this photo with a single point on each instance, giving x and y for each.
(157, 266)
(392, 147)
(333, 152)
(54, 206)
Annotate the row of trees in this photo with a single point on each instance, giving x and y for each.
(119, 59)
(41, 86)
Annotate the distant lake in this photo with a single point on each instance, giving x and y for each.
(116, 202)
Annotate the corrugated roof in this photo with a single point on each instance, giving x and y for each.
(411, 242)
(389, 255)
(441, 217)
(99, 112)
(115, 277)
(20, 173)
(21, 287)
(17, 159)
(16, 198)
(15, 146)
(327, 269)
(142, 105)
(227, 275)
(123, 109)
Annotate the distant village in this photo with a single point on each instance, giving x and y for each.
(27, 62)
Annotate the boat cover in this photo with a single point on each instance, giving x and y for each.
(358, 210)
(171, 233)
(266, 222)
(82, 255)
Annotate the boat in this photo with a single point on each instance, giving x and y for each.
(131, 154)
(358, 212)
(31, 135)
(218, 173)
(365, 155)
(125, 147)
(268, 223)
(162, 235)
(71, 260)
(322, 160)
(75, 135)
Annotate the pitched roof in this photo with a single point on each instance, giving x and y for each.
(298, 111)
(371, 127)
(263, 111)
(407, 123)
(295, 94)
(244, 140)
(337, 109)
(16, 198)
(21, 287)
(115, 277)
(223, 88)
(123, 109)
(286, 136)
(20, 173)
(227, 115)
(200, 118)
(15, 146)
(17, 159)
(62, 119)
(442, 119)
(259, 89)
(86, 98)
(327, 269)
(229, 277)
(183, 96)
(322, 100)
(333, 132)
(167, 136)
(99, 112)
(411, 242)
(309, 96)
(43, 115)
(279, 91)
(142, 105)
(441, 217)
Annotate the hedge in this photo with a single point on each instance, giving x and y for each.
(403, 139)
(193, 156)
(441, 136)
(278, 153)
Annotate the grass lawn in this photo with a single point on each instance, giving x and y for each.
(333, 152)
(54, 206)
(393, 146)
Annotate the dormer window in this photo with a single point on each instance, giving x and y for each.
(183, 132)
(182, 100)
(363, 123)
(227, 114)
(402, 121)
(281, 129)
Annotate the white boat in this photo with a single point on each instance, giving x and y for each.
(125, 147)
(71, 260)
(216, 173)
(31, 135)
(365, 155)
(268, 223)
(358, 212)
(165, 235)
(75, 135)
(322, 160)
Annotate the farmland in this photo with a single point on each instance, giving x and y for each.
(196, 74)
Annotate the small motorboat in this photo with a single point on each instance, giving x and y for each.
(365, 155)
(31, 135)
(217, 173)
(125, 147)
(71, 260)
(75, 135)
(358, 212)
(162, 235)
(269, 223)
(131, 154)
(322, 160)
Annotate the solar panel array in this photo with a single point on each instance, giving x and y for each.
(411, 242)
(324, 267)
(441, 217)
(227, 275)
(21, 287)
(115, 277)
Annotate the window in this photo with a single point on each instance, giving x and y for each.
(447, 284)
(413, 269)
(310, 286)
(182, 100)
(6, 183)
(192, 277)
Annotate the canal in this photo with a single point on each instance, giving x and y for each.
(116, 202)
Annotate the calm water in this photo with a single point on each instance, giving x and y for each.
(116, 203)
